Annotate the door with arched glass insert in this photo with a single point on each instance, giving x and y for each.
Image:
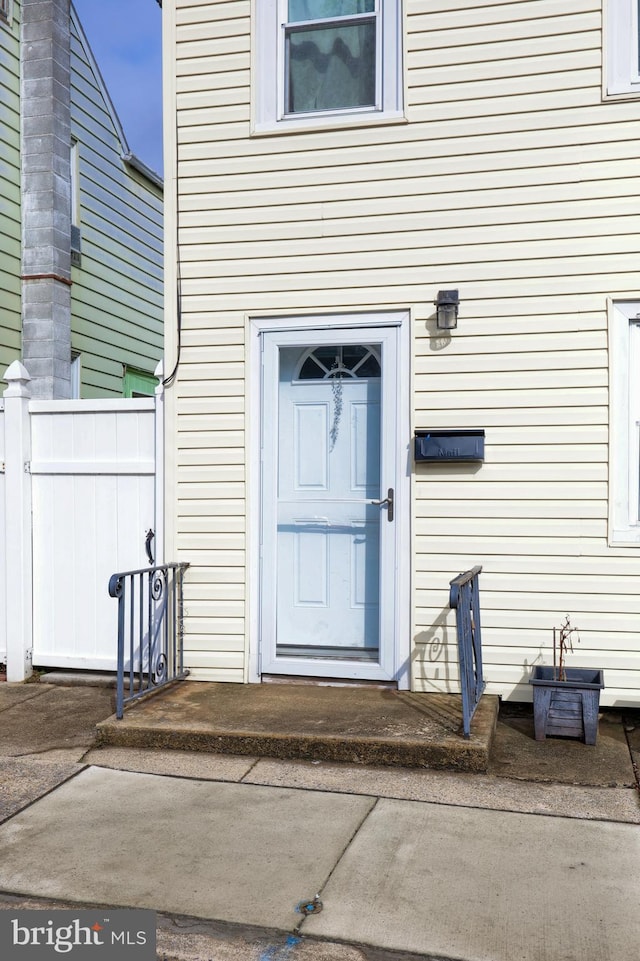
(328, 504)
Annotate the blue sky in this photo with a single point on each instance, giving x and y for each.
(126, 39)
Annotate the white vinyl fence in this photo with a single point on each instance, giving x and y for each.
(79, 490)
(4, 551)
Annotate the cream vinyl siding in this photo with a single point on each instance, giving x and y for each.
(512, 181)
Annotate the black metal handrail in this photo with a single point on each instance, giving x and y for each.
(150, 630)
(464, 597)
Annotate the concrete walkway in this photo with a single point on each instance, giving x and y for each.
(429, 864)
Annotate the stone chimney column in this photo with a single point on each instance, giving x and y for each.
(46, 196)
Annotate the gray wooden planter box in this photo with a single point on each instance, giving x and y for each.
(566, 708)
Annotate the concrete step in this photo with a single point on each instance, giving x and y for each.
(351, 724)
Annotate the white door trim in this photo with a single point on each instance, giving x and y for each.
(256, 326)
(384, 667)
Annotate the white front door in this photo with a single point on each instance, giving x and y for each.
(329, 503)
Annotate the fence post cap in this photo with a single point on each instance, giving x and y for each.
(17, 377)
(159, 373)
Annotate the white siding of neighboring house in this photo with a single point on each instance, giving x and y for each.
(117, 293)
(512, 181)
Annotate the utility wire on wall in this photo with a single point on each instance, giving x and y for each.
(168, 381)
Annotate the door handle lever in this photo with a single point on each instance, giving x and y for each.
(387, 502)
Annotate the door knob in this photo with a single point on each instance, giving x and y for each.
(387, 502)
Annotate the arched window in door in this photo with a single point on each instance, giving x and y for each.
(351, 360)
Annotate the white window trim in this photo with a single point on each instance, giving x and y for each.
(76, 375)
(268, 78)
(621, 73)
(75, 183)
(76, 232)
(624, 419)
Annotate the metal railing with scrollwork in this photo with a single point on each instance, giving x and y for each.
(464, 596)
(150, 630)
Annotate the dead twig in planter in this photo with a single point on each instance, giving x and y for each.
(562, 644)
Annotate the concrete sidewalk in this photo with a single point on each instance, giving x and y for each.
(407, 863)
(417, 877)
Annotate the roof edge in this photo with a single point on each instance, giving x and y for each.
(126, 154)
(131, 160)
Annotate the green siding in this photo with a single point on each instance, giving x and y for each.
(10, 322)
(117, 296)
(139, 384)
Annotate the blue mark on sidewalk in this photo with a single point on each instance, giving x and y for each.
(280, 952)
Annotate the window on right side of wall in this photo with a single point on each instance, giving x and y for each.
(622, 47)
(624, 423)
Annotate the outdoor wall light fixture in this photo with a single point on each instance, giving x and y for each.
(447, 309)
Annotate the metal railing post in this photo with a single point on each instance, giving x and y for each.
(152, 632)
(116, 589)
(464, 597)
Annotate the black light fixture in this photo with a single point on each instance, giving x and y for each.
(447, 309)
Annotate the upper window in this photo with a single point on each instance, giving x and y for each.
(330, 55)
(623, 47)
(624, 352)
(6, 11)
(325, 62)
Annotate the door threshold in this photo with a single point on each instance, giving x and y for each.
(327, 682)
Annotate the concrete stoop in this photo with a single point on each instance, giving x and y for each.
(351, 724)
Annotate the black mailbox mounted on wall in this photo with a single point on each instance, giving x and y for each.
(449, 445)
